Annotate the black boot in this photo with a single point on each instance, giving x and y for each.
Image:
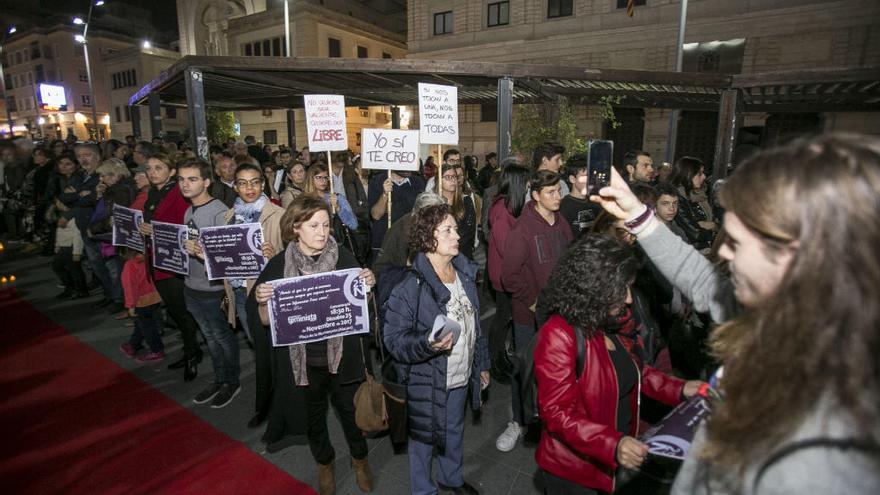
(191, 368)
(180, 363)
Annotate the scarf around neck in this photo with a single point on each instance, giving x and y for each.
(297, 264)
(246, 213)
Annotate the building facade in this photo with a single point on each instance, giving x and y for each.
(51, 56)
(329, 28)
(721, 36)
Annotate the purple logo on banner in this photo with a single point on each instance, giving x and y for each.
(169, 252)
(125, 228)
(318, 307)
(233, 251)
(672, 436)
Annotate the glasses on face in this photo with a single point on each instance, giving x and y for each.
(453, 161)
(450, 178)
(253, 183)
(322, 178)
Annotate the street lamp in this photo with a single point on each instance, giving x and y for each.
(6, 34)
(83, 38)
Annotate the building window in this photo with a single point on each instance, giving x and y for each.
(30, 77)
(334, 48)
(267, 48)
(443, 23)
(10, 104)
(621, 4)
(83, 76)
(118, 114)
(362, 52)
(35, 50)
(498, 14)
(127, 110)
(124, 79)
(171, 112)
(272, 47)
(276, 47)
(489, 112)
(559, 8)
(41, 73)
(386, 55)
(270, 137)
(86, 100)
(248, 50)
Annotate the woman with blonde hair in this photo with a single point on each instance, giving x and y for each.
(318, 184)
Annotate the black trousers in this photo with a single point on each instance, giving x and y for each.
(171, 291)
(554, 485)
(322, 384)
(68, 271)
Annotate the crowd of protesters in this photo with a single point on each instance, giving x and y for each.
(775, 269)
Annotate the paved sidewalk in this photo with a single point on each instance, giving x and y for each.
(491, 471)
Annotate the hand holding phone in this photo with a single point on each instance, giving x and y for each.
(599, 157)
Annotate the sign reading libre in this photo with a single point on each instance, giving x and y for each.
(125, 228)
(233, 251)
(438, 114)
(325, 120)
(317, 307)
(390, 149)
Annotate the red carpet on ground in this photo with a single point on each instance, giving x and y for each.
(74, 422)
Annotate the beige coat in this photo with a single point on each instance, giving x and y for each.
(270, 220)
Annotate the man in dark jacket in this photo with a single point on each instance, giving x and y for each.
(535, 242)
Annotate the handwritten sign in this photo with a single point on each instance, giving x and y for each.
(125, 228)
(317, 307)
(438, 114)
(390, 148)
(325, 121)
(169, 252)
(233, 251)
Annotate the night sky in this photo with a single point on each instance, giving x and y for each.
(164, 11)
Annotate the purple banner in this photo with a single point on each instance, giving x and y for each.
(169, 252)
(125, 228)
(317, 307)
(233, 251)
(672, 436)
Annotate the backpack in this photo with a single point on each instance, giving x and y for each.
(525, 369)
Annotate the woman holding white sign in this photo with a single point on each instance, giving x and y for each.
(432, 330)
(318, 184)
(290, 376)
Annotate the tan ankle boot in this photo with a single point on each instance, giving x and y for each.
(326, 479)
(362, 474)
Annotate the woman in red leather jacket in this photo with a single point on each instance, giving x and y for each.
(591, 418)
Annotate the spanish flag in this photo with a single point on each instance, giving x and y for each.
(630, 7)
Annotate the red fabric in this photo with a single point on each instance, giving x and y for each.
(579, 440)
(530, 253)
(139, 200)
(500, 223)
(135, 282)
(76, 423)
(170, 210)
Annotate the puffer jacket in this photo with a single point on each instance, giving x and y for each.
(417, 364)
(579, 439)
(688, 218)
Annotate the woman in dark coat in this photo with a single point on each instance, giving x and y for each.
(694, 210)
(289, 377)
(437, 368)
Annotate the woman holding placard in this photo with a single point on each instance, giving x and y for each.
(432, 330)
(318, 184)
(251, 206)
(288, 377)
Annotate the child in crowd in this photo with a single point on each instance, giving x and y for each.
(142, 301)
(667, 208)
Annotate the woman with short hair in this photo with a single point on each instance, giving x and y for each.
(307, 374)
(438, 369)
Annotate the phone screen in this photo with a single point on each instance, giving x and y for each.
(599, 165)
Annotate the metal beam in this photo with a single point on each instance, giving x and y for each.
(291, 129)
(729, 113)
(135, 114)
(195, 98)
(505, 116)
(155, 115)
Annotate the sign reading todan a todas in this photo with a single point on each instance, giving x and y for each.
(317, 307)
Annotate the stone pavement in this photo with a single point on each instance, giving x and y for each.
(491, 471)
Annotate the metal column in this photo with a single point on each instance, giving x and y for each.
(395, 117)
(135, 114)
(155, 115)
(291, 129)
(728, 122)
(679, 55)
(195, 100)
(505, 116)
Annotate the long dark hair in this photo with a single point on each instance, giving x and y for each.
(683, 172)
(817, 336)
(589, 282)
(513, 186)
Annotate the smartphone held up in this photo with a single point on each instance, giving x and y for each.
(599, 156)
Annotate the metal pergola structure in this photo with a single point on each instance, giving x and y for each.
(252, 83)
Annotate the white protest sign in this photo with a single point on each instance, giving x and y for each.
(390, 149)
(438, 114)
(325, 121)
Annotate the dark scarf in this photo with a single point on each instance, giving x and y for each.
(297, 264)
(624, 326)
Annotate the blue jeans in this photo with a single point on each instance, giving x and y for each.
(99, 269)
(522, 335)
(147, 325)
(421, 455)
(222, 344)
(240, 295)
(114, 272)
